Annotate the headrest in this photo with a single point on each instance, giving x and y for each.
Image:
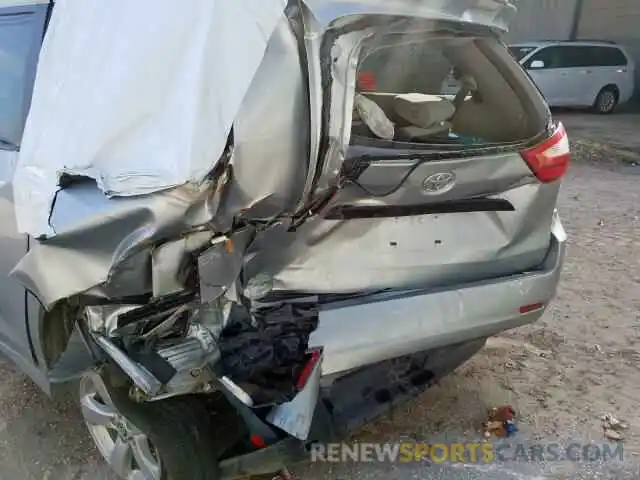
(423, 110)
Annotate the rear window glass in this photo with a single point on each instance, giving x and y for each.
(520, 52)
(445, 90)
(608, 57)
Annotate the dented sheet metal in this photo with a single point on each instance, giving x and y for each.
(103, 246)
(139, 96)
(221, 264)
(139, 127)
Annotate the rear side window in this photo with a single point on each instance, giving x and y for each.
(608, 57)
(578, 56)
(21, 31)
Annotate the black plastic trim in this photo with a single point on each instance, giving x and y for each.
(348, 212)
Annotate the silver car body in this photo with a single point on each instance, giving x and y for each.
(392, 286)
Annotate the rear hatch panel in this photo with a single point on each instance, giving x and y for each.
(392, 222)
(354, 255)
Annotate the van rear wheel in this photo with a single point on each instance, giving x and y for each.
(171, 439)
(607, 100)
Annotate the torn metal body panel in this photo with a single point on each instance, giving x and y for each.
(166, 347)
(221, 264)
(104, 318)
(111, 239)
(295, 416)
(270, 134)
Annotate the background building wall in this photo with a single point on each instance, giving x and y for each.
(610, 19)
(543, 20)
(617, 20)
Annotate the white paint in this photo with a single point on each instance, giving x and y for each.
(138, 95)
(8, 162)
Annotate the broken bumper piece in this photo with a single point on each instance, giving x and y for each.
(355, 399)
(175, 345)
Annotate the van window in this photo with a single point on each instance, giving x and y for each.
(519, 52)
(572, 56)
(578, 56)
(608, 57)
(553, 57)
(20, 38)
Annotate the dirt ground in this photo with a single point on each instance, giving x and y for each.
(561, 374)
(617, 131)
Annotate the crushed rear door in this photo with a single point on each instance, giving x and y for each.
(435, 209)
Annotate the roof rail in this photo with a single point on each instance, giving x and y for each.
(577, 40)
(593, 40)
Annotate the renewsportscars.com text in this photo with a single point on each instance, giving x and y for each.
(464, 452)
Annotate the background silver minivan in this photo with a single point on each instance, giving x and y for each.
(579, 74)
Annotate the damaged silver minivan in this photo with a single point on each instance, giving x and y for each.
(386, 202)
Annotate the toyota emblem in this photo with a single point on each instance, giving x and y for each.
(438, 183)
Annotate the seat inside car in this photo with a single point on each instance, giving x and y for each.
(427, 115)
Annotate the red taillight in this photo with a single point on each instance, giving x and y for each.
(549, 160)
(367, 82)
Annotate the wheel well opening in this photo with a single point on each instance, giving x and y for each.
(56, 328)
(611, 86)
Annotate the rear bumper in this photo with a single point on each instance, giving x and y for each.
(427, 334)
(389, 325)
(356, 399)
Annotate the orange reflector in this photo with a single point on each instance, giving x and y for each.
(229, 245)
(530, 308)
